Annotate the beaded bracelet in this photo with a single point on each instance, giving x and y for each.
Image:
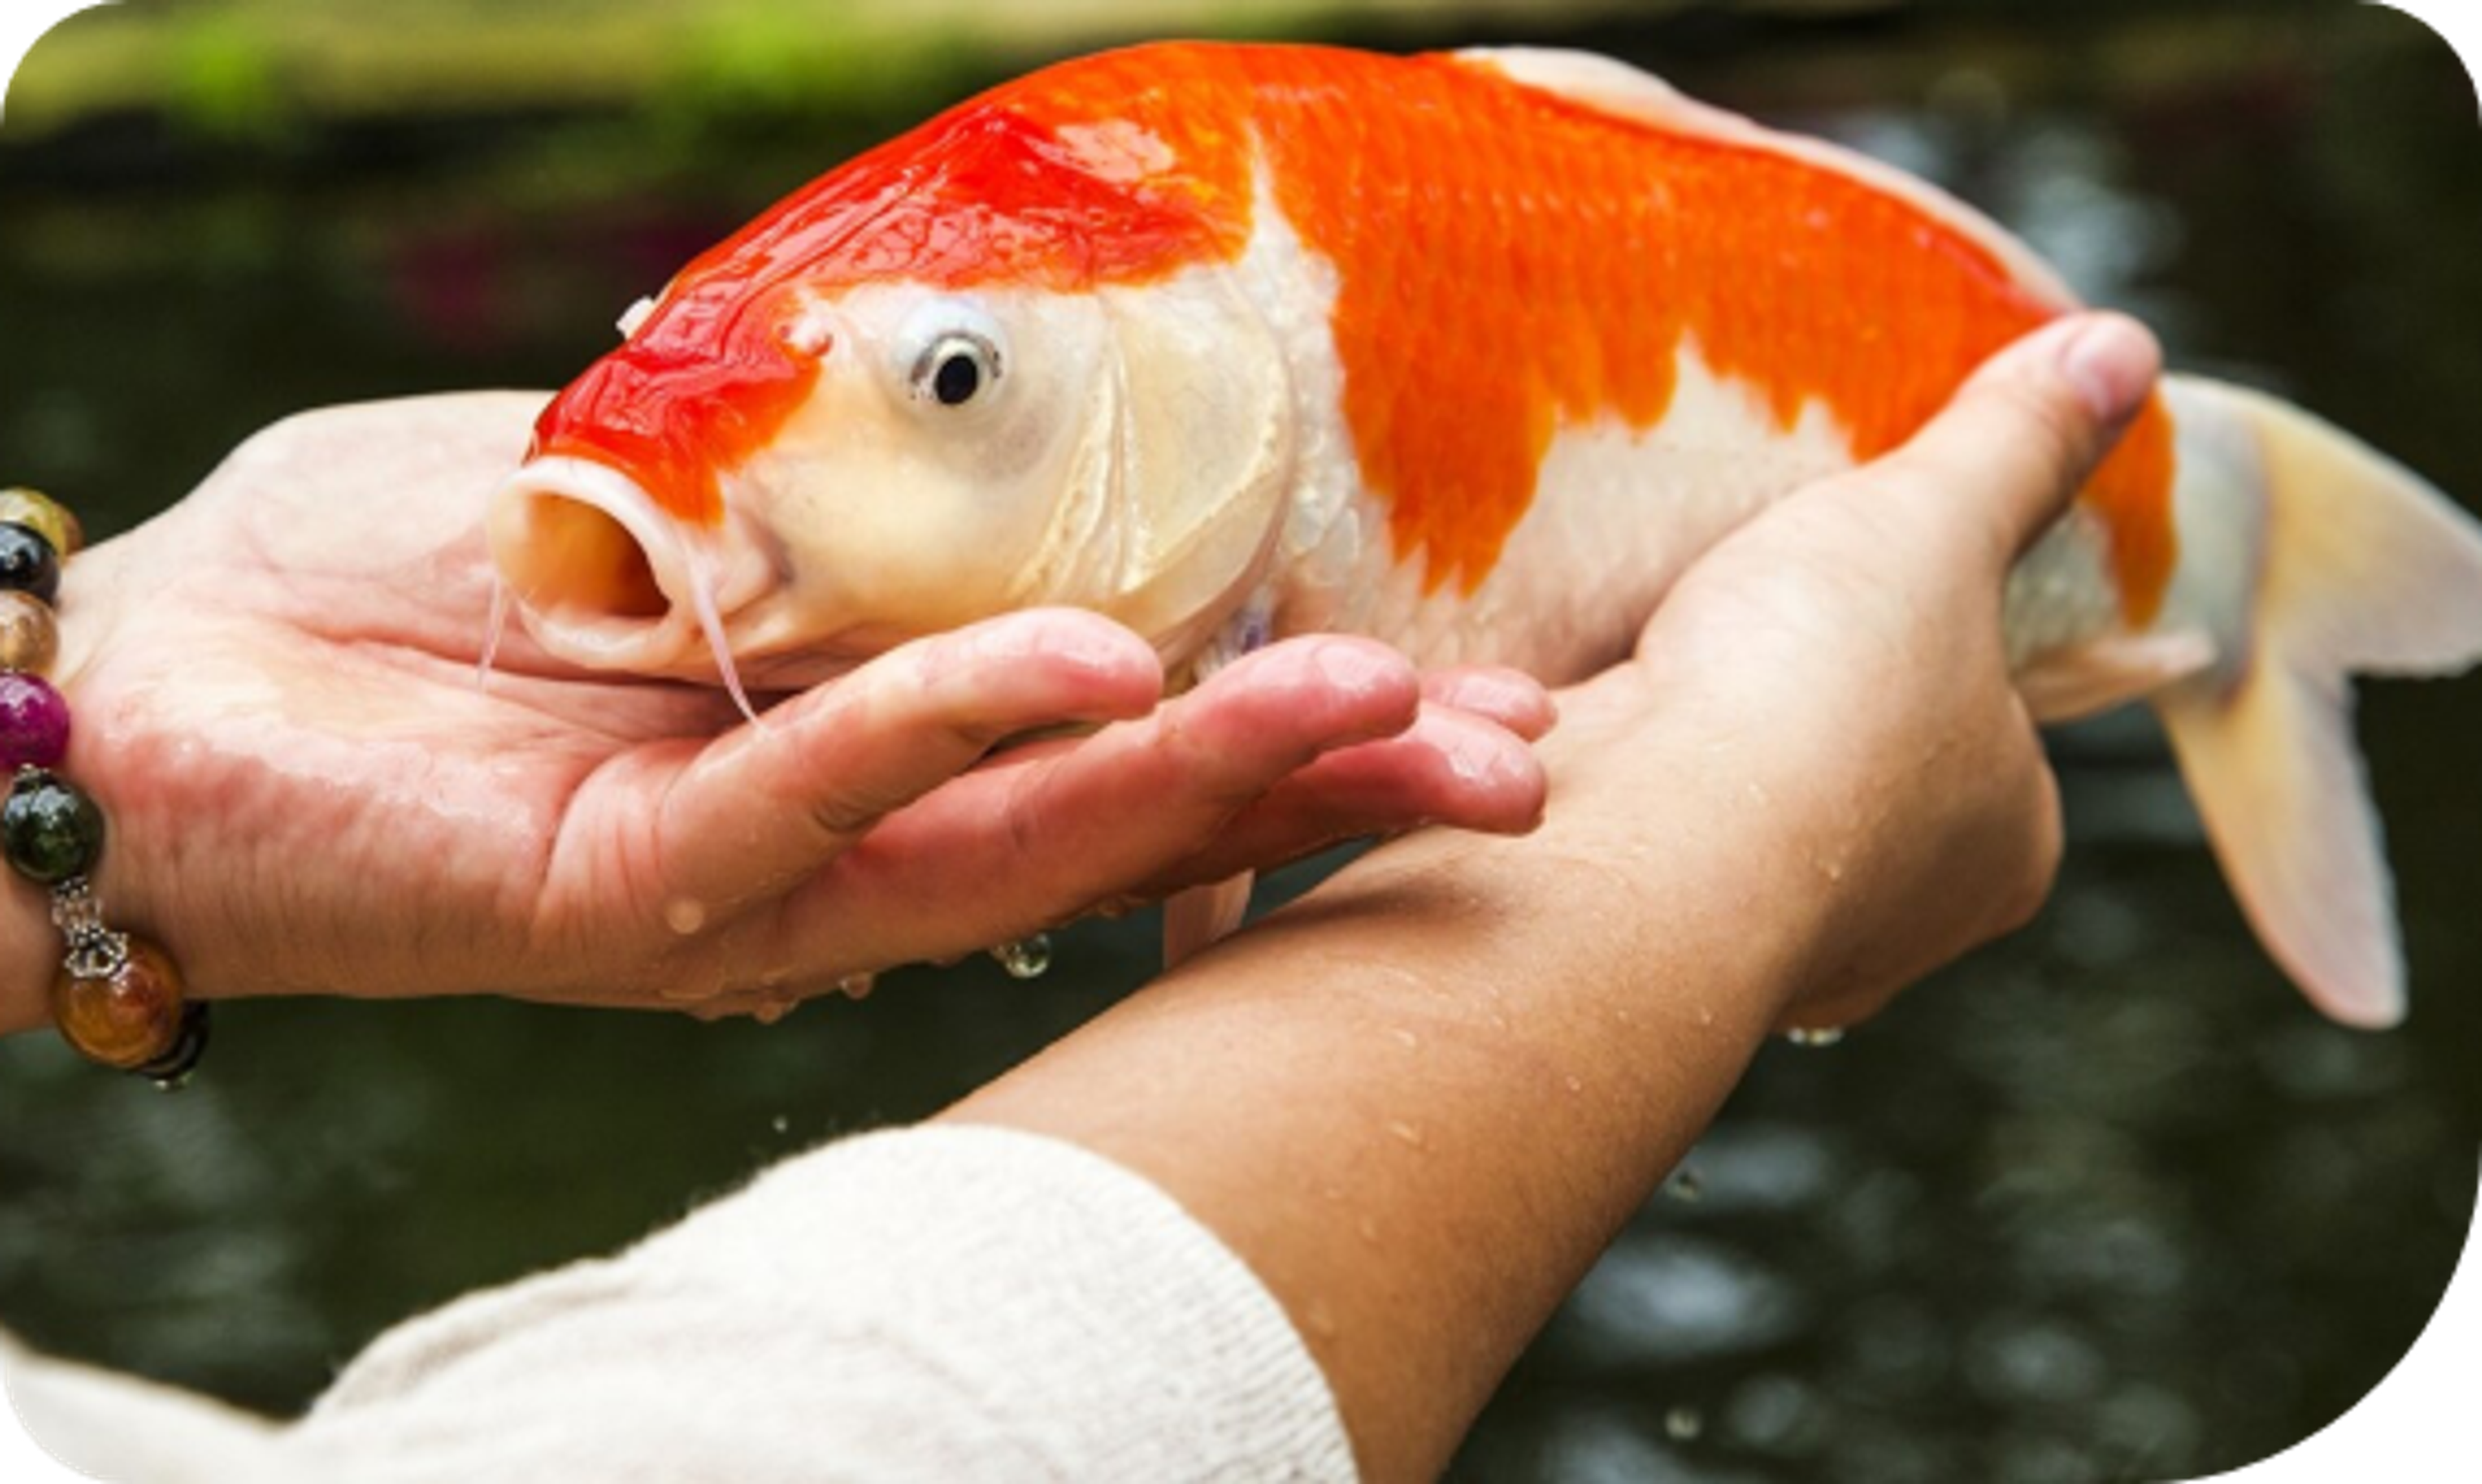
(117, 997)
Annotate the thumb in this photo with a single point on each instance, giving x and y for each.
(2029, 427)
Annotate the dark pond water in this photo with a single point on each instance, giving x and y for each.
(2106, 1202)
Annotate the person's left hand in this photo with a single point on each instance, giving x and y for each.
(277, 703)
(1839, 664)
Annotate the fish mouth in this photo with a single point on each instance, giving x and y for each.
(603, 577)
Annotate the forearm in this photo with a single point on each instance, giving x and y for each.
(1420, 1103)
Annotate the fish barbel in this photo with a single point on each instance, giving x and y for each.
(1471, 352)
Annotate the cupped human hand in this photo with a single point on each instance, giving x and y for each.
(277, 700)
(1836, 670)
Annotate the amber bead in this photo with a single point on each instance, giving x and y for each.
(45, 516)
(128, 1019)
(29, 638)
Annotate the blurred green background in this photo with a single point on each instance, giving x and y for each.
(2106, 1202)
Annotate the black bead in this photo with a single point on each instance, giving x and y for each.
(28, 563)
(173, 1068)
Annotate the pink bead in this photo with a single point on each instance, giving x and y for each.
(34, 723)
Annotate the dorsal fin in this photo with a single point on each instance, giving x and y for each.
(1624, 91)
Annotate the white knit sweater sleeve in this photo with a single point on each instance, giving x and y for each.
(937, 1303)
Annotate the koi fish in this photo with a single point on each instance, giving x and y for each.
(1471, 353)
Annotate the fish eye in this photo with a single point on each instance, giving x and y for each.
(949, 353)
(957, 368)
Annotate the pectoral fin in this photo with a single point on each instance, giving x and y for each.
(2110, 672)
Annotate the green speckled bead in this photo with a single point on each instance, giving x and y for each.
(45, 517)
(49, 829)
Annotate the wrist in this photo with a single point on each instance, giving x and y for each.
(1711, 844)
(30, 945)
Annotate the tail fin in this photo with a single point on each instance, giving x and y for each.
(2366, 568)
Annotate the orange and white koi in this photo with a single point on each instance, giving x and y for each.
(1473, 353)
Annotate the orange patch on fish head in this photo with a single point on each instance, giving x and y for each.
(705, 381)
(1063, 182)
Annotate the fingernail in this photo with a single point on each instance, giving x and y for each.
(2112, 361)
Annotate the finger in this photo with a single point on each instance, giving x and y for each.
(765, 806)
(2030, 426)
(1033, 841)
(1449, 768)
(1511, 698)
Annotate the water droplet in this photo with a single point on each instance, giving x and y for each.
(1576, 1084)
(856, 986)
(1705, 1015)
(1405, 1132)
(768, 1009)
(1816, 1038)
(1686, 1186)
(1410, 1040)
(1369, 1229)
(684, 916)
(780, 1124)
(1027, 958)
(1683, 1425)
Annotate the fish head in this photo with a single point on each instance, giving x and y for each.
(816, 445)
